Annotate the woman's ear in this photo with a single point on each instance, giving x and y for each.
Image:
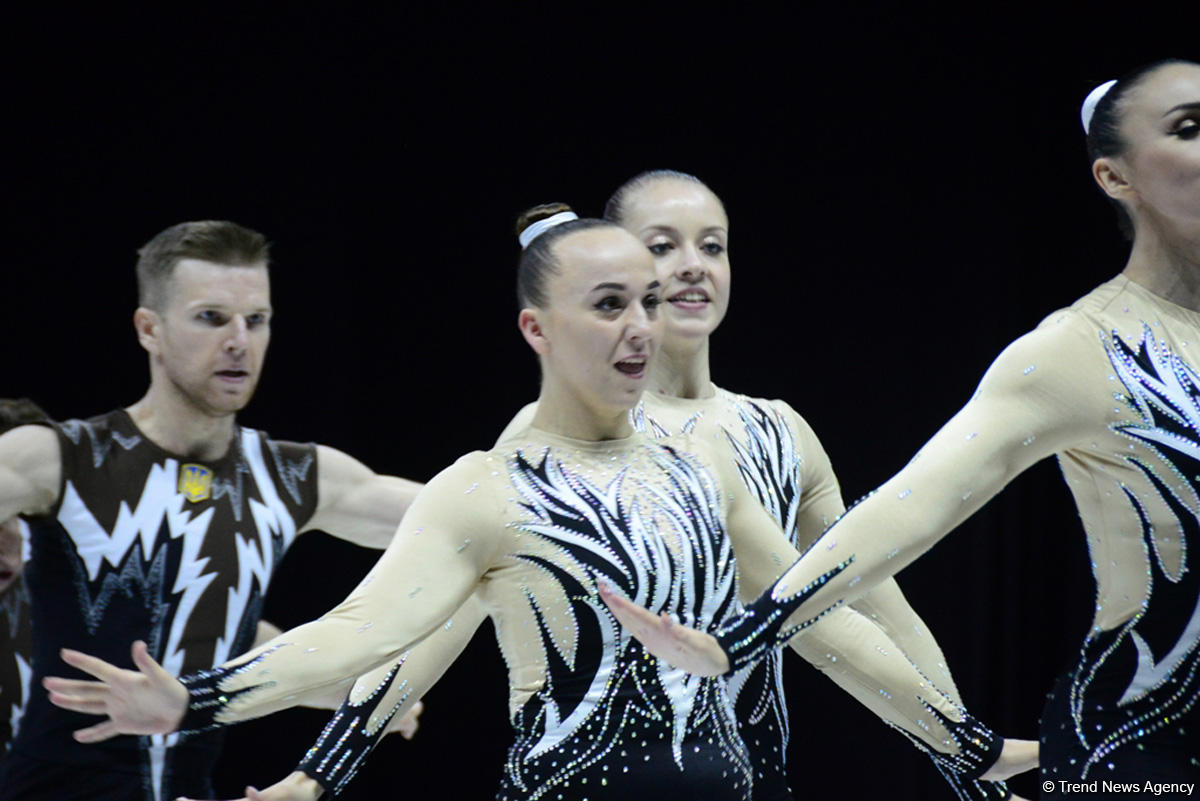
(528, 320)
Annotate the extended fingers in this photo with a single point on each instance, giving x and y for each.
(90, 664)
(75, 686)
(98, 733)
(88, 706)
(146, 664)
(78, 696)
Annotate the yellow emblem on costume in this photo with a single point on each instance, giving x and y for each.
(195, 482)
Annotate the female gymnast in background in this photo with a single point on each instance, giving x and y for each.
(533, 527)
(1108, 385)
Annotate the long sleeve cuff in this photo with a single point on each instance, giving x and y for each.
(350, 735)
(749, 637)
(206, 698)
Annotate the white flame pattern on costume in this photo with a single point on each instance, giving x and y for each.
(1172, 390)
(632, 552)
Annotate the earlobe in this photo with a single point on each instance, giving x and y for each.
(531, 329)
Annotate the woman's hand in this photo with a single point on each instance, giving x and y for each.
(148, 700)
(407, 726)
(1017, 756)
(694, 651)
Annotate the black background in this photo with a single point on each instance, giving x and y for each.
(908, 192)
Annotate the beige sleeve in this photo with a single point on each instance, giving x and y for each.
(846, 645)
(1040, 396)
(821, 496)
(444, 545)
(422, 666)
(885, 604)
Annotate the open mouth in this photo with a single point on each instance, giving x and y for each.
(7, 575)
(634, 366)
(233, 375)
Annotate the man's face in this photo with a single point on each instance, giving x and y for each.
(211, 337)
(11, 545)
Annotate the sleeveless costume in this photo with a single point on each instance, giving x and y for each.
(530, 528)
(1110, 387)
(144, 544)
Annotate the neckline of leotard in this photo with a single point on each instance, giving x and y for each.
(691, 403)
(1183, 313)
(541, 435)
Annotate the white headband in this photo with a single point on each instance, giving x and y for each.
(1091, 101)
(542, 226)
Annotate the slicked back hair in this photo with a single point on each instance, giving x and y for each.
(538, 262)
(216, 241)
(1104, 138)
(617, 206)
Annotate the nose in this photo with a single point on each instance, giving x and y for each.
(239, 335)
(690, 267)
(640, 326)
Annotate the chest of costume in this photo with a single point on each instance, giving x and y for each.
(173, 551)
(758, 439)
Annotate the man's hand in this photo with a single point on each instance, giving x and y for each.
(148, 700)
(694, 651)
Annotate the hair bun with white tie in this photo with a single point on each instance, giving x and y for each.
(536, 229)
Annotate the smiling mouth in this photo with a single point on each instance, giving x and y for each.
(689, 297)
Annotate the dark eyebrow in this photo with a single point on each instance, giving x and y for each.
(1183, 107)
(653, 285)
(608, 285)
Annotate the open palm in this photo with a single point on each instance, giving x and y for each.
(148, 700)
(694, 651)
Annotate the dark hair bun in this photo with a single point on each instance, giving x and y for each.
(532, 215)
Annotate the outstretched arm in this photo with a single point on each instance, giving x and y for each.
(1037, 398)
(386, 693)
(887, 610)
(30, 471)
(445, 544)
(357, 504)
(357, 727)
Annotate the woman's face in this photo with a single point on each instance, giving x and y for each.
(684, 226)
(601, 324)
(1160, 124)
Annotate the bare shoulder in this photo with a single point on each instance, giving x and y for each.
(34, 457)
(335, 465)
